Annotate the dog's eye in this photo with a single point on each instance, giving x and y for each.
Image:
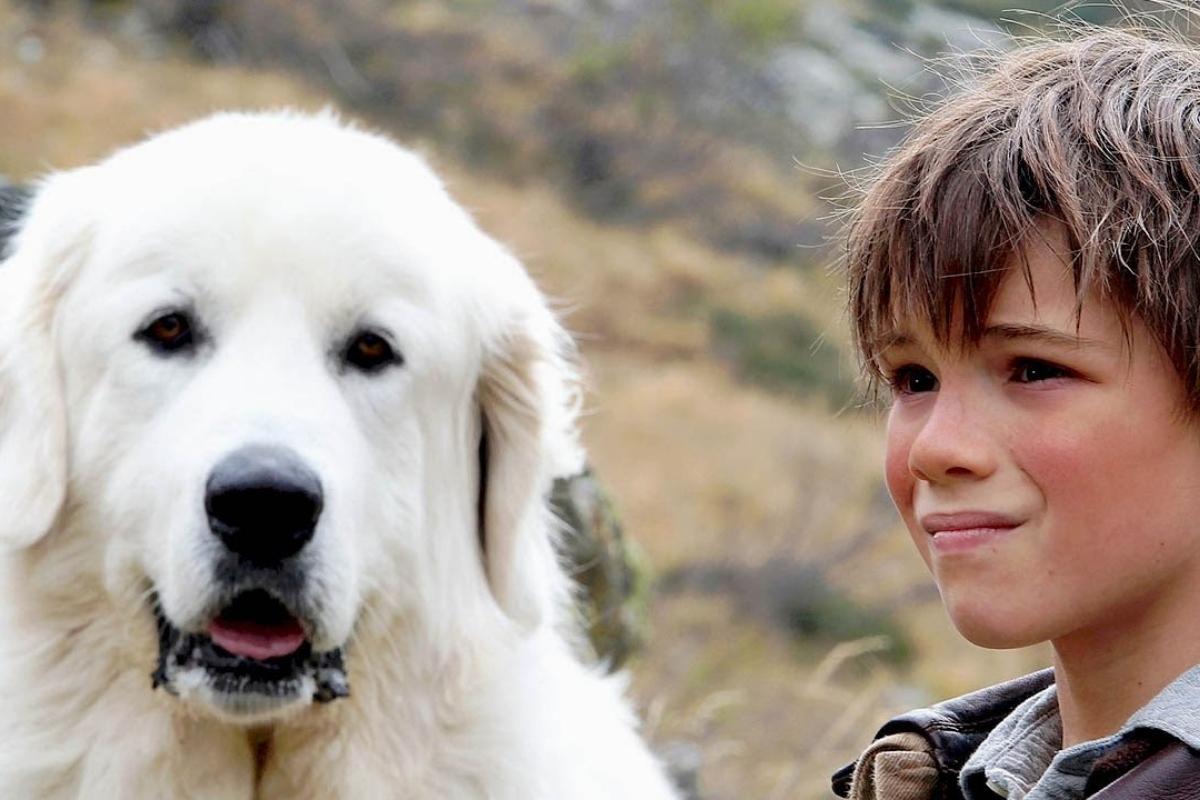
(370, 352)
(168, 333)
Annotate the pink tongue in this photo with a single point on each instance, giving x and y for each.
(257, 641)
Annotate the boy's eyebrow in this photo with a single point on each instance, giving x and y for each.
(885, 341)
(1039, 333)
(1006, 331)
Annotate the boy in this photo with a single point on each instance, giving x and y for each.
(1025, 277)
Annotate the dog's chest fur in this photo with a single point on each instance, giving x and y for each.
(444, 730)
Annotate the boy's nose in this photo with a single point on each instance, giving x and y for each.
(954, 441)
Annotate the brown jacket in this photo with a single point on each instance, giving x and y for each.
(918, 755)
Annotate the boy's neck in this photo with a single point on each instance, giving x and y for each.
(1106, 675)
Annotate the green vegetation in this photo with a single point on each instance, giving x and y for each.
(783, 352)
(1019, 9)
(797, 598)
(893, 9)
(814, 609)
(759, 23)
(598, 64)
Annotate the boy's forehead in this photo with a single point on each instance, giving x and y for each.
(1037, 299)
(956, 304)
(1039, 280)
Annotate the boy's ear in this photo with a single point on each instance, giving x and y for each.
(33, 449)
(527, 398)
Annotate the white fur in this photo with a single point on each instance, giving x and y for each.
(283, 233)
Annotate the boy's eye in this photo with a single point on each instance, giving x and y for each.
(1030, 370)
(911, 379)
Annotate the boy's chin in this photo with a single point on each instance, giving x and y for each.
(994, 626)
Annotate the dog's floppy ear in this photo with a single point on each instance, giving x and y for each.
(33, 448)
(528, 395)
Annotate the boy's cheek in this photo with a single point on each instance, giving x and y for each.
(896, 473)
(900, 485)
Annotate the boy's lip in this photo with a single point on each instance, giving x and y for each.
(945, 522)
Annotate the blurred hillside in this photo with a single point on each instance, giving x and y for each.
(638, 110)
(643, 158)
(690, 114)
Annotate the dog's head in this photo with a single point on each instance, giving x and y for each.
(287, 389)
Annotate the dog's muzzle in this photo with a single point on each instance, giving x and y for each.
(255, 654)
(192, 663)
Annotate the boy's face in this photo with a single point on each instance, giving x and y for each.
(1048, 476)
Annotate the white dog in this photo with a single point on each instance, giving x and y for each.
(277, 423)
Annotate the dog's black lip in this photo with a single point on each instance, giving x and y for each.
(286, 585)
(261, 606)
(231, 673)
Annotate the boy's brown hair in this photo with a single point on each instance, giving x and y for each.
(1100, 132)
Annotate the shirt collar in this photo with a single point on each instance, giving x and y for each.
(1018, 751)
(1025, 745)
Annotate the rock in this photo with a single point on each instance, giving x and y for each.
(601, 561)
(942, 29)
(683, 761)
(824, 99)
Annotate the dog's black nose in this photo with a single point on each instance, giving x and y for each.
(263, 503)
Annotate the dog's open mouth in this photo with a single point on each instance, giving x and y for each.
(258, 627)
(253, 658)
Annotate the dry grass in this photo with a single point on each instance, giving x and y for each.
(703, 468)
(87, 95)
